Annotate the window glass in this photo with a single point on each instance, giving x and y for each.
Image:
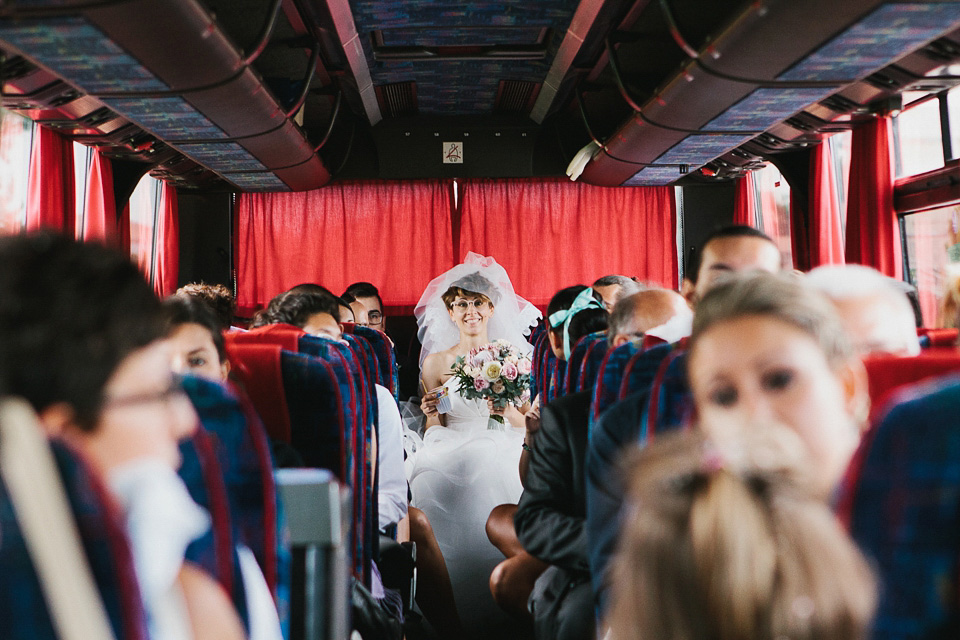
(840, 149)
(16, 136)
(82, 159)
(144, 212)
(773, 203)
(933, 255)
(953, 110)
(918, 144)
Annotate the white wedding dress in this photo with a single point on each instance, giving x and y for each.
(457, 476)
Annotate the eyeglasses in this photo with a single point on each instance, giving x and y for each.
(463, 305)
(174, 391)
(374, 318)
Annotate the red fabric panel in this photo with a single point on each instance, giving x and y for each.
(258, 369)
(50, 183)
(890, 374)
(745, 201)
(100, 217)
(396, 235)
(873, 235)
(553, 234)
(168, 248)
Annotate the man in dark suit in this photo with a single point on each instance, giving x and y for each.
(551, 517)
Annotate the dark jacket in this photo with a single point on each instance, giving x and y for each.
(550, 519)
(616, 430)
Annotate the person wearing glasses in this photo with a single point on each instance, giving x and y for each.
(82, 340)
(367, 305)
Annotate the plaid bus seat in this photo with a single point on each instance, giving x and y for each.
(901, 501)
(606, 390)
(240, 444)
(389, 373)
(24, 614)
(215, 551)
(578, 356)
(590, 369)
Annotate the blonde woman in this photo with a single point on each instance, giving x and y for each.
(732, 541)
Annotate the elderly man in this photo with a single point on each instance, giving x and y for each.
(873, 308)
(614, 288)
(659, 312)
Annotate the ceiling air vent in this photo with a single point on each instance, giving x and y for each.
(398, 99)
(516, 96)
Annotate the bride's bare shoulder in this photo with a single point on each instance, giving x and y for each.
(437, 365)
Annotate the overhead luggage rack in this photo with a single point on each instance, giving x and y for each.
(755, 75)
(125, 60)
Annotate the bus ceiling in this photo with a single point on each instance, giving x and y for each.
(273, 95)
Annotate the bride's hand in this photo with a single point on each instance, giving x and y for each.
(495, 410)
(428, 404)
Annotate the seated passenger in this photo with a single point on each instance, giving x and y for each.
(317, 312)
(216, 296)
(765, 349)
(873, 308)
(614, 288)
(659, 312)
(80, 340)
(346, 311)
(727, 250)
(728, 540)
(197, 347)
(367, 305)
(513, 580)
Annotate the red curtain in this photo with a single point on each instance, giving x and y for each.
(816, 234)
(168, 248)
(825, 234)
(99, 208)
(873, 235)
(552, 234)
(397, 235)
(745, 201)
(50, 182)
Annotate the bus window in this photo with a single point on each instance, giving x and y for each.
(145, 209)
(933, 250)
(840, 148)
(773, 197)
(918, 141)
(16, 135)
(953, 113)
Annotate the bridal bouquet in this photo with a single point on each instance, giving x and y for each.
(495, 371)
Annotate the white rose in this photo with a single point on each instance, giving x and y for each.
(491, 371)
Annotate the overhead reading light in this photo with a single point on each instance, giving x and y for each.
(579, 162)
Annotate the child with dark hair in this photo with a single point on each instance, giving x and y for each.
(80, 340)
(195, 335)
(219, 298)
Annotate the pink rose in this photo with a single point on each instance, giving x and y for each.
(498, 387)
(480, 384)
(510, 371)
(523, 367)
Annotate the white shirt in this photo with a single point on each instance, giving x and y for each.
(392, 491)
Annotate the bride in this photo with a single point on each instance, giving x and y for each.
(467, 463)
